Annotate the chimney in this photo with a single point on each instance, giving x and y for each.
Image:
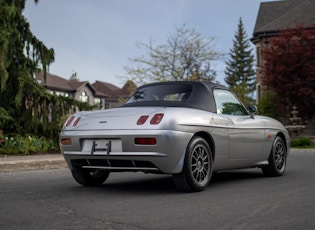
(74, 77)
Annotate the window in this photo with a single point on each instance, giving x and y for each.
(258, 56)
(227, 103)
(170, 93)
(258, 93)
(84, 97)
(58, 93)
(97, 101)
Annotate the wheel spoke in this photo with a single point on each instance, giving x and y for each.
(277, 159)
(199, 163)
(194, 170)
(196, 173)
(279, 156)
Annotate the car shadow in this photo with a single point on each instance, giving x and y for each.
(163, 184)
(235, 176)
(157, 184)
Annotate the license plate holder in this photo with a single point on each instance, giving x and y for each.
(99, 146)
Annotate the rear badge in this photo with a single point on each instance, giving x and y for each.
(103, 122)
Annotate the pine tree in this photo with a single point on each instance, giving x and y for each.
(240, 75)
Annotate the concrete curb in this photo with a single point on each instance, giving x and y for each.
(32, 162)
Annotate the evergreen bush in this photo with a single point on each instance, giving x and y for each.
(301, 142)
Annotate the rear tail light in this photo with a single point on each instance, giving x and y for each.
(66, 141)
(156, 119)
(70, 121)
(76, 121)
(145, 141)
(142, 120)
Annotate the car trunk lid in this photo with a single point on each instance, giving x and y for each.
(119, 118)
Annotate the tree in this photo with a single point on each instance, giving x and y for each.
(186, 55)
(28, 108)
(267, 106)
(289, 70)
(240, 75)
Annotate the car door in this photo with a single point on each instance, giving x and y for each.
(246, 134)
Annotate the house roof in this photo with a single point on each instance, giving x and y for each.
(110, 90)
(279, 15)
(55, 82)
(128, 89)
(99, 88)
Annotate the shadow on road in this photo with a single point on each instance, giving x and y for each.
(139, 183)
(235, 176)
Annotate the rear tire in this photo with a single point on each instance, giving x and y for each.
(277, 159)
(197, 169)
(88, 177)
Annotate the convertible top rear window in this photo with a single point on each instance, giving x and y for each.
(175, 93)
(188, 94)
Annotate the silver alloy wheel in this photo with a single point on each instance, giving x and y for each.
(279, 155)
(200, 163)
(277, 159)
(197, 168)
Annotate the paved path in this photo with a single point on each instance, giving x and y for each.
(31, 162)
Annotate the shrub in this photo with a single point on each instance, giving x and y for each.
(14, 144)
(301, 142)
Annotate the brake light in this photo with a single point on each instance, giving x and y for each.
(145, 141)
(76, 121)
(70, 121)
(156, 119)
(142, 120)
(66, 141)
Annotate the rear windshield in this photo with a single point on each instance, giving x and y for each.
(174, 93)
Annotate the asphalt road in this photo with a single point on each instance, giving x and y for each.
(51, 199)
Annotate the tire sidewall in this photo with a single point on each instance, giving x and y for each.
(195, 142)
(277, 171)
(89, 177)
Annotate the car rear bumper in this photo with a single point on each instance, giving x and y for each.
(166, 156)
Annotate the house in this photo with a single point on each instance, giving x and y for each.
(101, 94)
(114, 95)
(275, 16)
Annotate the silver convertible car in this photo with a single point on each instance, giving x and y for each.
(186, 129)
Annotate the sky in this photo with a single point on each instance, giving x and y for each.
(97, 38)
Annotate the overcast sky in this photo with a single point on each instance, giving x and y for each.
(96, 38)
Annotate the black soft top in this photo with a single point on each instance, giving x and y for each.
(189, 94)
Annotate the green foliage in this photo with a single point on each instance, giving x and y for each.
(301, 142)
(15, 144)
(186, 55)
(240, 75)
(267, 105)
(289, 70)
(25, 106)
(5, 118)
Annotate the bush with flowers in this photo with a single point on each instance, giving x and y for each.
(15, 144)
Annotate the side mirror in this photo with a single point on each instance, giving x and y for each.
(252, 109)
